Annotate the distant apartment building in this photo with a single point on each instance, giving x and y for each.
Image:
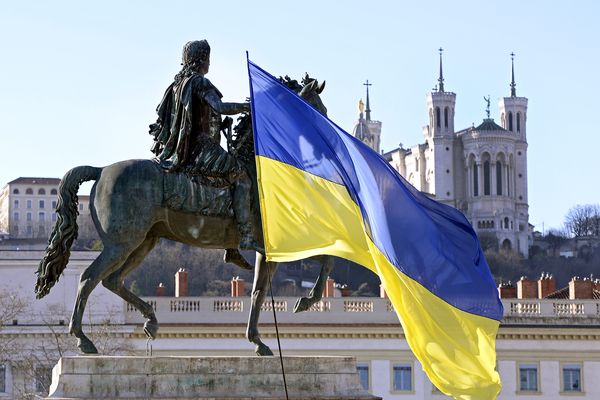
(27, 208)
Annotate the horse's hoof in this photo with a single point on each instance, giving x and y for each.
(263, 350)
(302, 304)
(86, 346)
(150, 329)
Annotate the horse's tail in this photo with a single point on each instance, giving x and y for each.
(65, 231)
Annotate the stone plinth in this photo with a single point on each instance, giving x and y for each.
(101, 377)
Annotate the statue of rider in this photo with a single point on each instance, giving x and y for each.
(187, 134)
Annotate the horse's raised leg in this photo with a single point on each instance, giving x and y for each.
(114, 283)
(110, 259)
(262, 276)
(316, 293)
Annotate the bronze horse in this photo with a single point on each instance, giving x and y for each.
(134, 203)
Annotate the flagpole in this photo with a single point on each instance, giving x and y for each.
(268, 272)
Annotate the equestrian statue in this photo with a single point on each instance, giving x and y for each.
(194, 192)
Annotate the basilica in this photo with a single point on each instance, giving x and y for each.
(481, 170)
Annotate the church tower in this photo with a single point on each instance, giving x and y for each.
(366, 129)
(439, 135)
(374, 126)
(513, 116)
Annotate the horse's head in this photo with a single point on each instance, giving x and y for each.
(311, 91)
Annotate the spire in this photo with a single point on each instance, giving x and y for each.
(368, 110)
(441, 78)
(513, 85)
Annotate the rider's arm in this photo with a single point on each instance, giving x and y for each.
(216, 104)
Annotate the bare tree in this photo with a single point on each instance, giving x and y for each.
(583, 220)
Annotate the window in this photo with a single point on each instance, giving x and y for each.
(28, 203)
(475, 180)
(29, 191)
(16, 216)
(15, 191)
(486, 178)
(363, 375)
(54, 204)
(16, 203)
(2, 378)
(43, 377)
(42, 203)
(446, 117)
(510, 121)
(505, 222)
(53, 217)
(41, 217)
(528, 378)
(53, 191)
(571, 374)
(29, 230)
(507, 181)
(28, 216)
(498, 178)
(42, 191)
(438, 121)
(402, 375)
(80, 207)
(518, 122)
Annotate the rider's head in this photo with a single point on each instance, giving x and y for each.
(196, 55)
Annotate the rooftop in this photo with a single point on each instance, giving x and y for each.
(35, 181)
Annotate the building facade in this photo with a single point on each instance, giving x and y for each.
(27, 208)
(547, 348)
(480, 170)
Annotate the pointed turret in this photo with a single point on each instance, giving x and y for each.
(513, 85)
(441, 78)
(368, 110)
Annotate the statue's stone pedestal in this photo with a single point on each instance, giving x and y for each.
(99, 377)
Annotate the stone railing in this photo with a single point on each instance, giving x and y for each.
(348, 310)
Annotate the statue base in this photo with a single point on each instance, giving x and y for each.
(102, 377)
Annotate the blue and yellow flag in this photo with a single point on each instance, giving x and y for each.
(323, 191)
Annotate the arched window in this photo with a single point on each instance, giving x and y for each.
(42, 191)
(53, 191)
(507, 181)
(475, 180)
(29, 191)
(15, 191)
(505, 222)
(486, 178)
(518, 122)
(446, 117)
(498, 178)
(510, 121)
(506, 245)
(438, 121)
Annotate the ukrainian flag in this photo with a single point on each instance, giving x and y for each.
(323, 191)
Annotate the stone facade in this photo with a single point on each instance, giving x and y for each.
(27, 209)
(547, 348)
(480, 170)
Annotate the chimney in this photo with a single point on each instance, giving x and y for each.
(329, 288)
(160, 290)
(546, 285)
(581, 288)
(382, 292)
(526, 288)
(238, 287)
(345, 290)
(507, 290)
(181, 283)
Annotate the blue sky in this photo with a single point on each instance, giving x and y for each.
(79, 81)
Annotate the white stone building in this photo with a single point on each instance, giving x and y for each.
(27, 208)
(547, 348)
(481, 170)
